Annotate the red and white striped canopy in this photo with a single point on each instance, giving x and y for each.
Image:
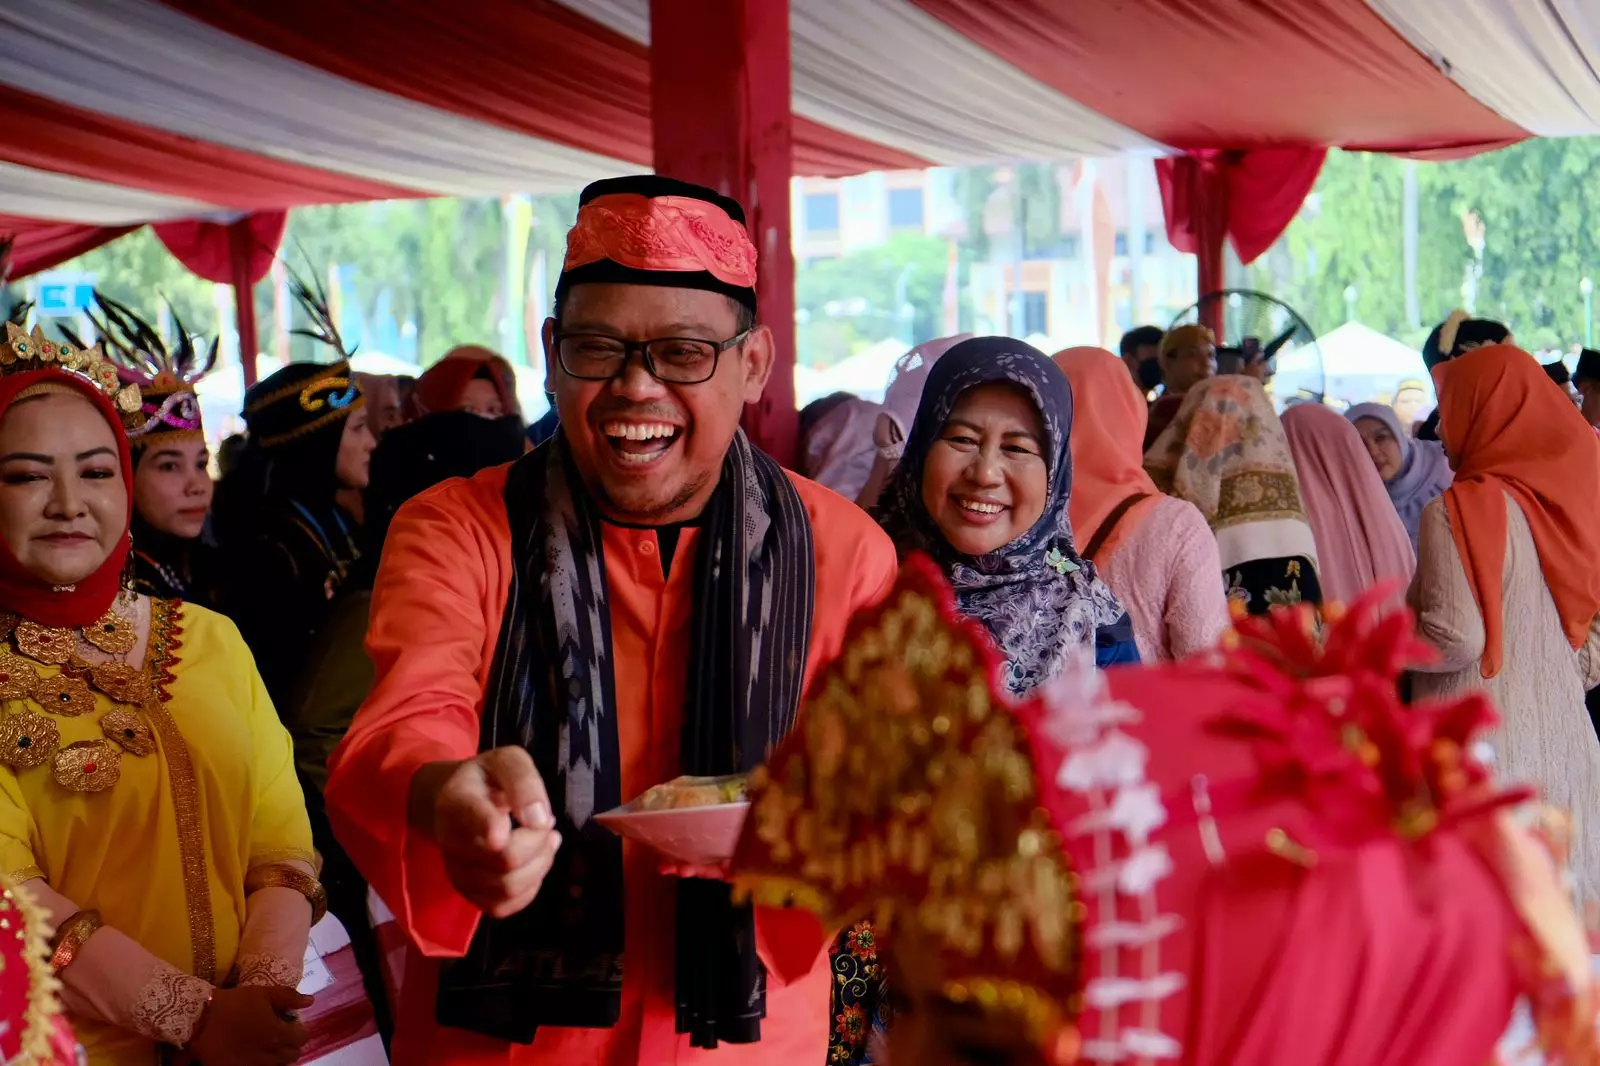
(119, 112)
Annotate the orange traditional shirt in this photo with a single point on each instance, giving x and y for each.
(436, 614)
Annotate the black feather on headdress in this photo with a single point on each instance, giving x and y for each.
(72, 338)
(20, 309)
(140, 352)
(313, 298)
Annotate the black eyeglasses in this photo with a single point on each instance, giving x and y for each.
(675, 360)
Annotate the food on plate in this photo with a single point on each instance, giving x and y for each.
(683, 792)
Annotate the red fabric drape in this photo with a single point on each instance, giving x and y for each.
(238, 253)
(1248, 196)
(1198, 75)
(42, 245)
(587, 86)
(207, 248)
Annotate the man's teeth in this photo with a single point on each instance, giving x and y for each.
(638, 430)
(980, 507)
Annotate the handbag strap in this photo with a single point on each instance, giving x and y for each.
(1098, 541)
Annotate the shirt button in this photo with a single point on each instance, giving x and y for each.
(647, 547)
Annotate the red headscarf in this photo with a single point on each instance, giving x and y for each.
(441, 386)
(1107, 448)
(35, 599)
(1511, 431)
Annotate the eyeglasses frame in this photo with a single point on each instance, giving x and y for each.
(642, 348)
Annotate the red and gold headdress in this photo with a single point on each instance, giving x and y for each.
(21, 351)
(166, 374)
(1259, 858)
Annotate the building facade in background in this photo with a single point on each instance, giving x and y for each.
(1108, 268)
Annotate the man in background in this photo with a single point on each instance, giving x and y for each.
(1410, 400)
(383, 401)
(1586, 379)
(1141, 350)
(1188, 355)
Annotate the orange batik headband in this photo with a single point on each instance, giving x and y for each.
(670, 234)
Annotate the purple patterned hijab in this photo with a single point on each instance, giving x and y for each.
(1424, 469)
(1039, 600)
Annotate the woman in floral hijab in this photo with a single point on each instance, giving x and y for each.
(1226, 453)
(983, 488)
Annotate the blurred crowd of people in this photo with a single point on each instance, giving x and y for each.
(1092, 707)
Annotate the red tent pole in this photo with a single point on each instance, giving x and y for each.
(240, 244)
(1211, 234)
(721, 116)
(1212, 279)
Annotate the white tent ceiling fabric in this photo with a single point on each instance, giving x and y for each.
(885, 71)
(52, 197)
(114, 57)
(1531, 61)
(888, 72)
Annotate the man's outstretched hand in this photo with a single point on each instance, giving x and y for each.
(490, 817)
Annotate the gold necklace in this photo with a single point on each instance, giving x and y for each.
(31, 737)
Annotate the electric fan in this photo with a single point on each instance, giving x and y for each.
(1257, 328)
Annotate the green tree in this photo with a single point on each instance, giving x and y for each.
(439, 262)
(137, 270)
(977, 189)
(1540, 229)
(1350, 234)
(853, 298)
(1541, 237)
(974, 187)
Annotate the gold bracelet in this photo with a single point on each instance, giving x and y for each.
(71, 937)
(282, 875)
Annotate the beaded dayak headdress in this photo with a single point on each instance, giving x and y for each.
(22, 351)
(1191, 862)
(166, 374)
(302, 398)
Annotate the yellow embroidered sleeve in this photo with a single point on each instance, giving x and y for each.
(17, 831)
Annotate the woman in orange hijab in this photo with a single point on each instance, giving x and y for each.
(1508, 575)
(468, 378)
(1156, 552)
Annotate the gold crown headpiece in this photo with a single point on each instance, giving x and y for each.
(22, 351)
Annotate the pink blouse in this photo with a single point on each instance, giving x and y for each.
(1169, 578)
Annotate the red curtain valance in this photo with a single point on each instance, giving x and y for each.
(41, 245)
(1250, 196)
(207, 248)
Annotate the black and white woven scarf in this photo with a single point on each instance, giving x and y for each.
(552, 690)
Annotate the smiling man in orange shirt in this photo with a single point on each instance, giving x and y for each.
(642, 597)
